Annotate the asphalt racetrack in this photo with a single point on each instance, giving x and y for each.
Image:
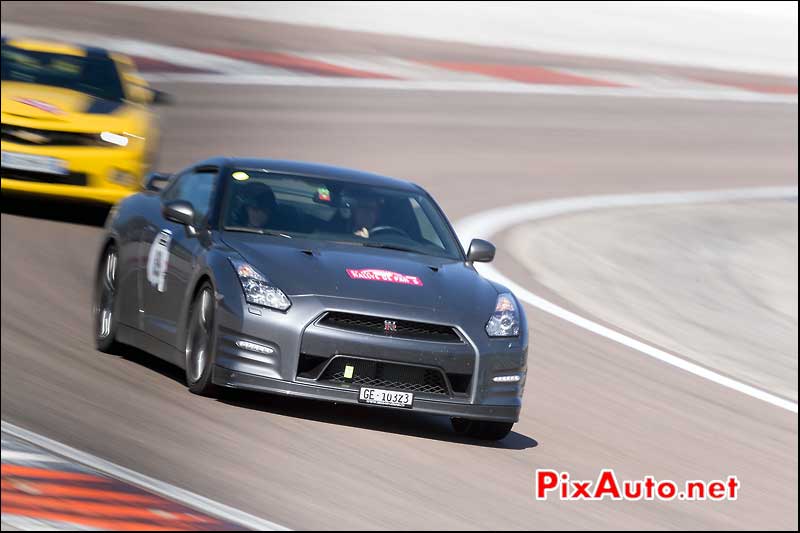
(590, 403)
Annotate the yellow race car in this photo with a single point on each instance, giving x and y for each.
(75, 122)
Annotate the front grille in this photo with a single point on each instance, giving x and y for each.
(395, 376)
(73, 178)
(402, 329)
(39, 137)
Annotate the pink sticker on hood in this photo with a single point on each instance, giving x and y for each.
(374, 274)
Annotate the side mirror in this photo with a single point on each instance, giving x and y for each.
(140, 94)
(155, 181)
(145, 95)
(161, 98)
(480, 251)
(179, 211)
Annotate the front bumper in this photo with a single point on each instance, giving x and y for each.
(230, 378)
(297, 334)
(95, 165)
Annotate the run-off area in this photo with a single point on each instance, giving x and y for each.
(716, 283)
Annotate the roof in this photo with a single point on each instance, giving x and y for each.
(55, 47)
(329, 172)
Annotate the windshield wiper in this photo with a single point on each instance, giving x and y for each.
(391, 247)
(259, 231)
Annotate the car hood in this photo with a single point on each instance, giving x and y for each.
(304, 267)
(32, 105)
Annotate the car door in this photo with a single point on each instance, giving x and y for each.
(171, 250)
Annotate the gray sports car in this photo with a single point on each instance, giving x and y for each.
(312, 281)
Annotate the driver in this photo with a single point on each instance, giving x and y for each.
(258, 205)
(366, 210)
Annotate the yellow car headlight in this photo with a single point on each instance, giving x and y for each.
(114, 138)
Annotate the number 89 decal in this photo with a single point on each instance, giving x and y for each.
(158, 260)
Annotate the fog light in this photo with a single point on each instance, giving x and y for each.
(253, 347)
(507, 379)
(120, 177)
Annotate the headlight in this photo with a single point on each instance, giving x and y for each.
(114, 138)
(257, 290)
(505, 320)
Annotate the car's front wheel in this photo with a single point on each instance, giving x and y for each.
(200, 340)
(104, 305)
(482, 429)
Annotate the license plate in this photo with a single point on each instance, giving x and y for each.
(34, 163)
(386, 397)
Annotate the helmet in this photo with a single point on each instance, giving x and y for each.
(252, 195)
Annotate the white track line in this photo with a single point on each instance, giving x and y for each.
(16, 456)
(171, 492)
(488, 223)
(720, 94)
(22, 523)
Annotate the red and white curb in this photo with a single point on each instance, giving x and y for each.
(47, 485)
(163, 63)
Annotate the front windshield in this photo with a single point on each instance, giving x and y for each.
(291, 206)
(96, 76)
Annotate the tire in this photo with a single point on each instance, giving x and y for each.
(482, 429)
(200, 342)
(104, 302)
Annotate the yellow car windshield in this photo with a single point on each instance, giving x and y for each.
(93, 75)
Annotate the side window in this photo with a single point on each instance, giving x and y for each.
(196, 187)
